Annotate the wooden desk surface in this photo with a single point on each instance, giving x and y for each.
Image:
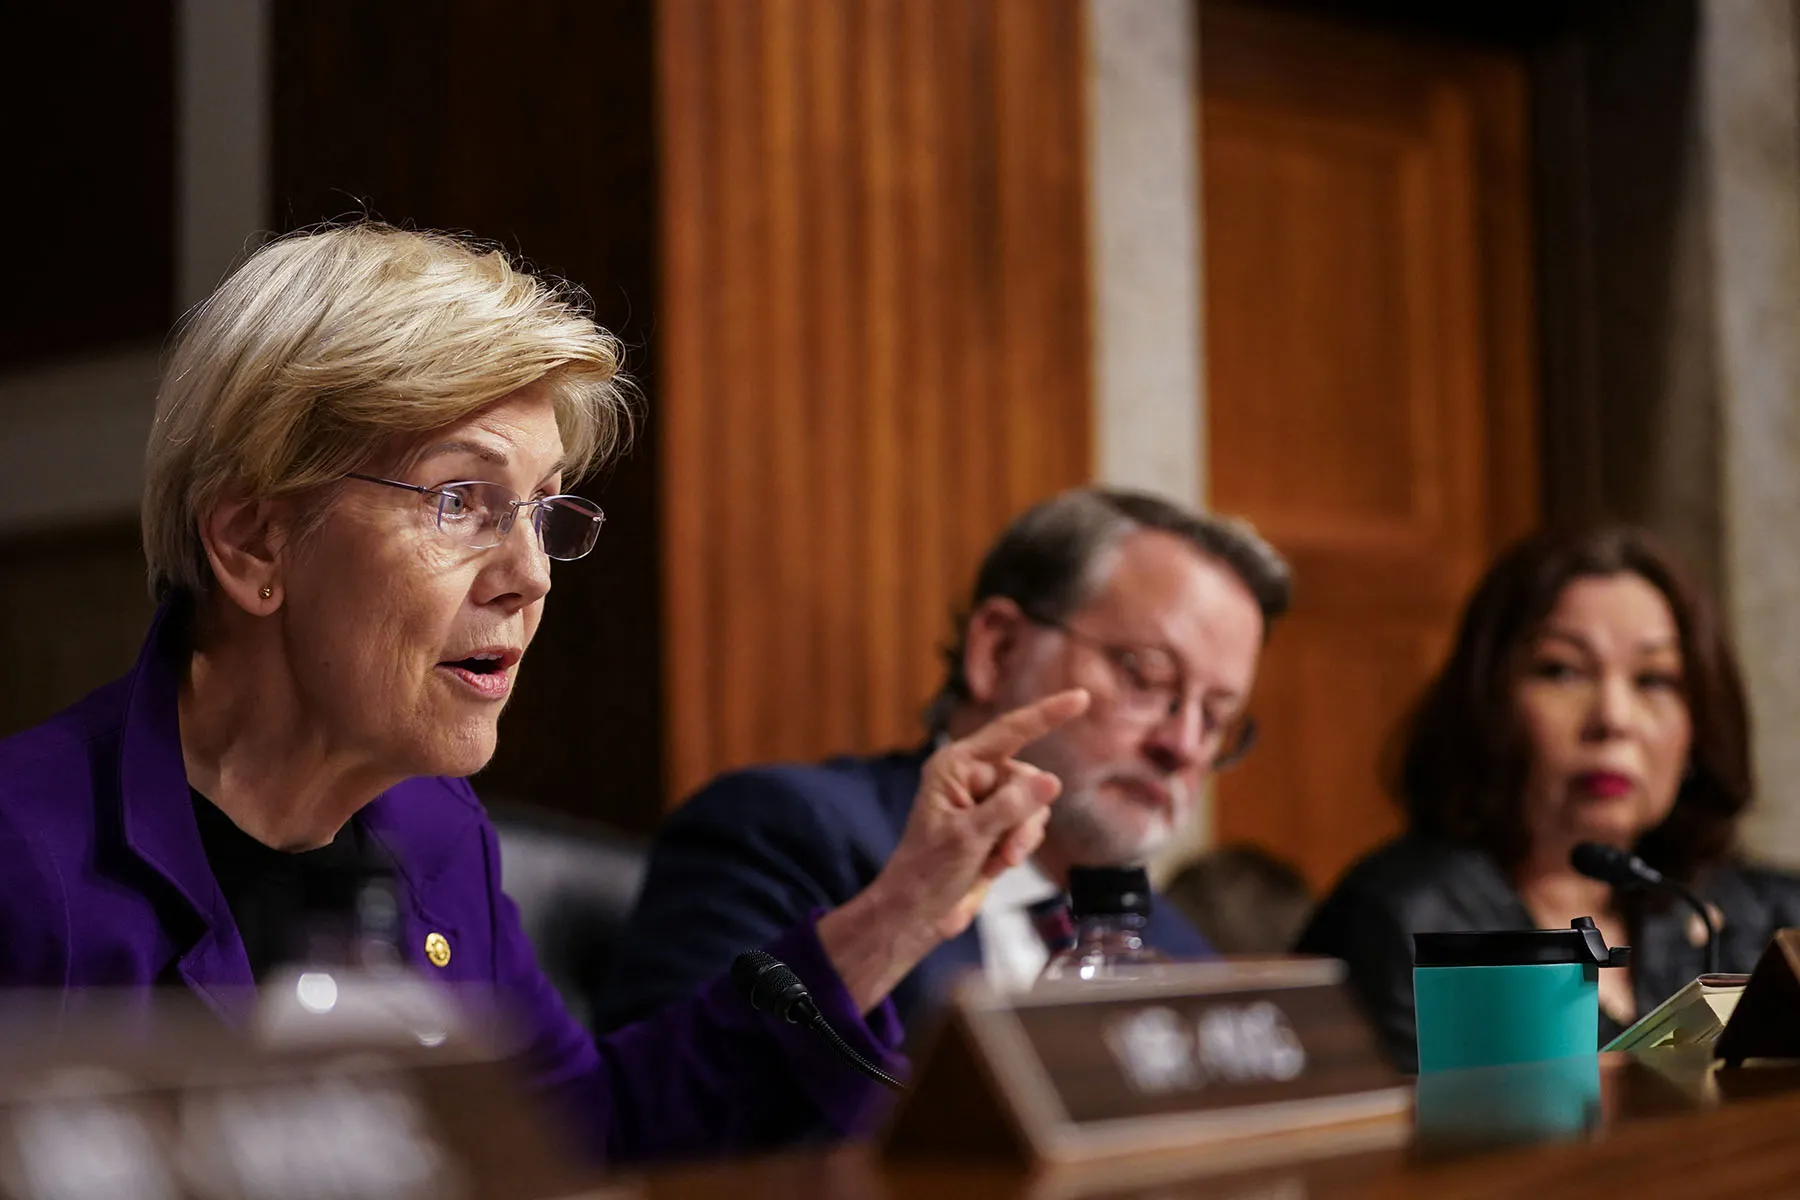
(1683, 1129)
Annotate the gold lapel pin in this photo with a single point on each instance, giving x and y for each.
(437, 949)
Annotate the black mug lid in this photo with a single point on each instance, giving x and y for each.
(1580, 943)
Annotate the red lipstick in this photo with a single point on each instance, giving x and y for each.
(1603, 785)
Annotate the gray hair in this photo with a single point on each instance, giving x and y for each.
(1050, 562)
(326, 343)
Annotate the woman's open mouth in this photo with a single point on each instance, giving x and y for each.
(487, 673)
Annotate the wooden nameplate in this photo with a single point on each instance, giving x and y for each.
(1766, 1022)
(180, 1107)
(1203, 1055)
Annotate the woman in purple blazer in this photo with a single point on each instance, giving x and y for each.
(353, 494)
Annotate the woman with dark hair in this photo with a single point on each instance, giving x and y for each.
(1590, 696)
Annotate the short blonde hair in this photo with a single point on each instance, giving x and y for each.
(328, 343)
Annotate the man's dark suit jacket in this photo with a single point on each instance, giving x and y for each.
(1418, 884)
(756, 850)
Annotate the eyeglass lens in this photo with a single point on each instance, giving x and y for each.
(481, 514)
(1151, 702)
(567, 526)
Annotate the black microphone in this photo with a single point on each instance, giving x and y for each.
(1622, 869)
(772, 987)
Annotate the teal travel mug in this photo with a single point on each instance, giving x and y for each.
(1462, 1111)
(1514, 996)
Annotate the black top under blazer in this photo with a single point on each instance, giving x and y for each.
(1419, 884)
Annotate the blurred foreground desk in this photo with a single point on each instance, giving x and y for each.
(1678, 1129)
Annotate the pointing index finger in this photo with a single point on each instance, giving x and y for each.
(1006, 735)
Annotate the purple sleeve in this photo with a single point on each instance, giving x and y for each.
(35, 933)
(692, 1080)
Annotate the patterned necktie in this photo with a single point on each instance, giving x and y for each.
(1054, 923)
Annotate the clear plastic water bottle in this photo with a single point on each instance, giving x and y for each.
(1111, 906)
(345, 981)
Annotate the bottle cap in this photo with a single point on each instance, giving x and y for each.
(1109, 891)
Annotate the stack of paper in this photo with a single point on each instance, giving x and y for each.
(1694, 1016)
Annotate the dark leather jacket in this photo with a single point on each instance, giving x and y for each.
(1417, 884)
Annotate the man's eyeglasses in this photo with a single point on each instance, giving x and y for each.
(1152, 689)
(479, 515)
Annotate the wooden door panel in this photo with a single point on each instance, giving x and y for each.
(1317, 786)
(1369, 382)
(1346, 329)
(1306, 321)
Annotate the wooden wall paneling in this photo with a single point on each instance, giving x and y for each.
(687, 193)
(1042, 206)
(834, 246)
(881, 309)
(874, 322)
(745, 505)
(1371, 381)
(921, 493)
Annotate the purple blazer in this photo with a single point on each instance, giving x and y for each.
(106, 885)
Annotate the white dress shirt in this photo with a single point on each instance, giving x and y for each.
(1013, 954)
